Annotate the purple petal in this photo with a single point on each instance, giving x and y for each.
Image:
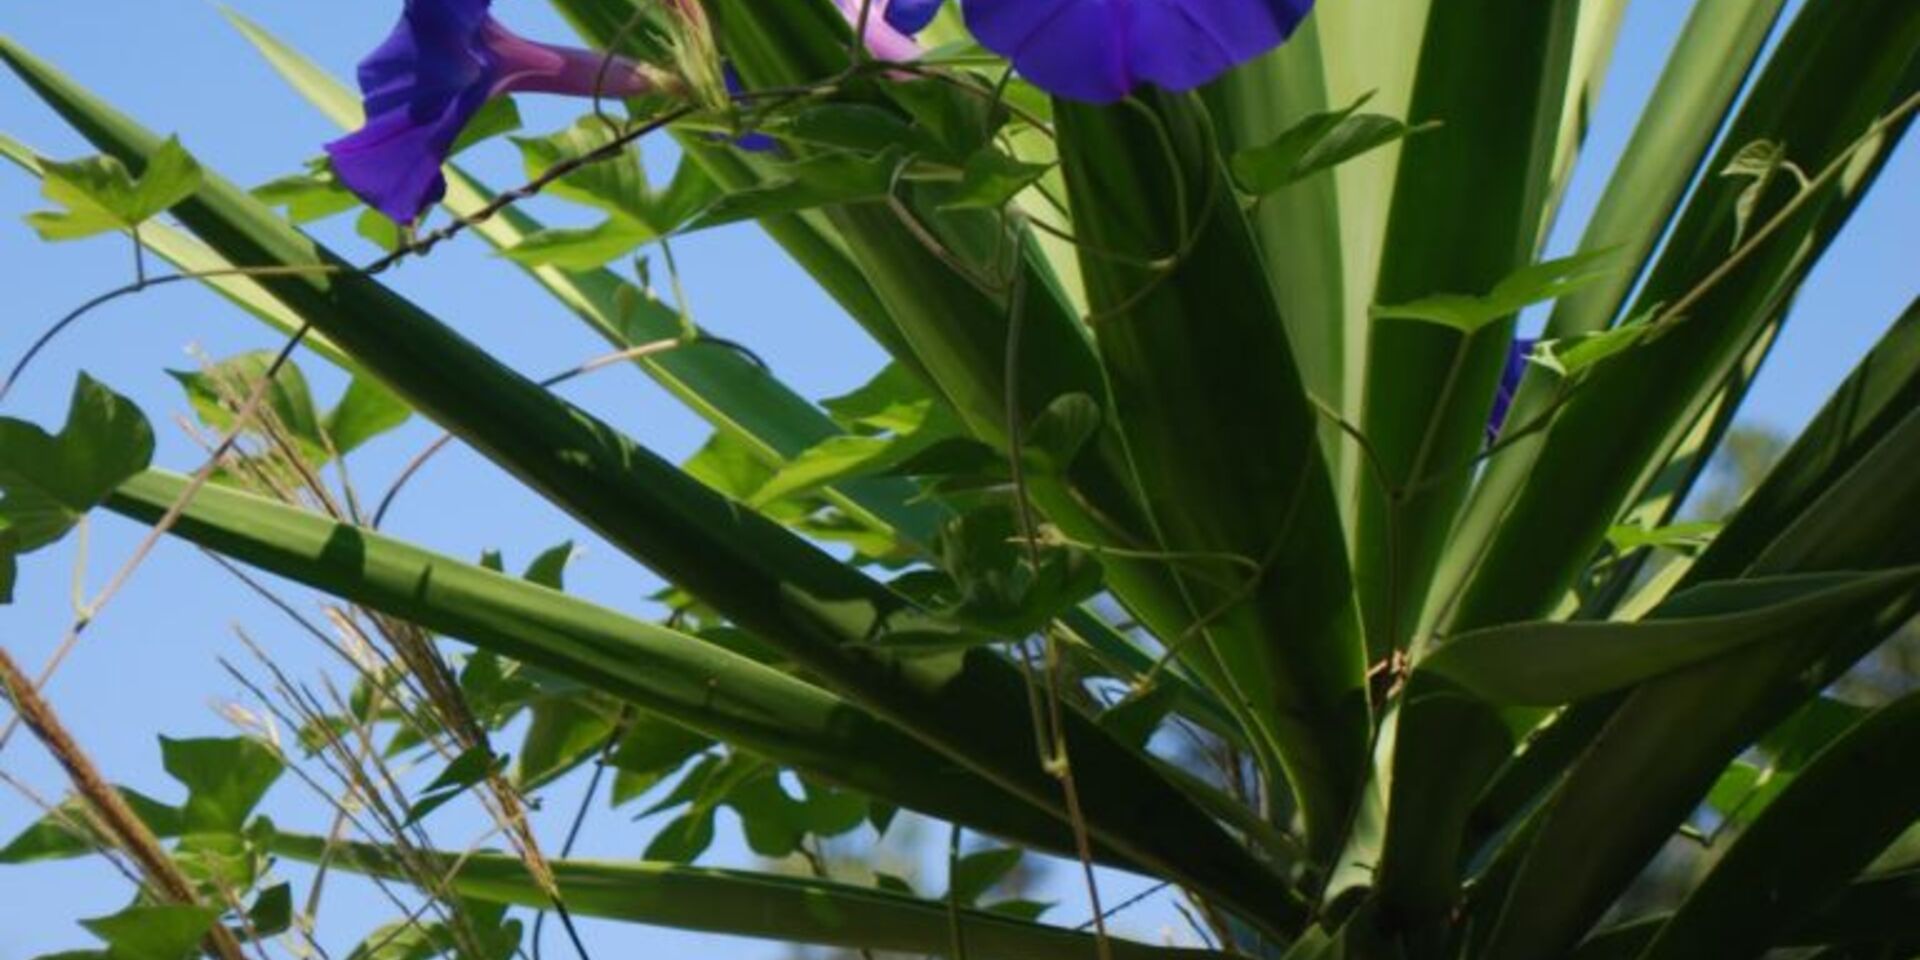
(393, 163)
(751, 142)
(522, 65)
(433, 51)
(421, 87)
(911, 16)
(1510, 378)
(1101, 50)
(883, 39)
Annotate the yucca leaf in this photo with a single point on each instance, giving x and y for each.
(1223, 436)
(1837, 71)
(1451, 733)
(1875, 398)
(1493, 74)
(1298, 227)
(1365, 55)
(1882, 390)
(1874, 912)
(1667, 742)
(1594, 40)
(766, 580)
(683, 678)
(1778, 872)
(1711, 58)
(742, 903)
(1708, 67)
(1548, 663)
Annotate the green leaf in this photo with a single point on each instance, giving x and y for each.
(697, 684)
(1468, 206)
(367, 410)
(99, 195)
(616, 184)
(159, 932)
(978, 872)
(1758, 162)
(992, 179)
(1057, 436)
(549, 569)
(191, 256)
(1186, 368)
(649, 752)
(893, 400)
(840, 458)
(225, 779)
(1135, 719)
(1309, 233)
(47, 482)
(219, 391)
(471, 768)
(1576, 354)
(314, 194)
(855, 127)
(741, 903)
(1745, 790)
(1779, 872)
(63, 833)
(1687, 538)
(472, 930)
(1529, 285)
(497, 116)
(582, 249)
(272, 911)
(1318, 142)
(1880, 393)
(1549, 663)
(774, 822)
(564, 733)
(996, 586)
(684, 838)
(822, 181)
(1029, 910)
(828, 812)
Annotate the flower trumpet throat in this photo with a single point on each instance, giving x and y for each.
(443, 61)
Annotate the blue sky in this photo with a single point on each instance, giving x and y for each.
(150, 664)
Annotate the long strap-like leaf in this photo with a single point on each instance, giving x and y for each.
(680, 677)
(738, 902)
(1861, 790)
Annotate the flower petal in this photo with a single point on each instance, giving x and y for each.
(883, 39)
(435, 49)
(393, 162)
(1510, 377)
(1101, 50)
(911, 16)
(420, 87)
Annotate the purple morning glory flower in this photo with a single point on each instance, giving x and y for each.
(1101, 50)
(443, 61)
(891, 24)
(1509, 385)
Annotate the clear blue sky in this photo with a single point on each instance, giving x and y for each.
(150, 664)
